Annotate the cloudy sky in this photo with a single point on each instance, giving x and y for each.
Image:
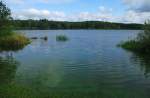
(127, 11)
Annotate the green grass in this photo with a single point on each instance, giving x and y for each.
(18, 91)
(61, 38)
(141, 44)
(13, 42)
(138, 46)
(130, 45)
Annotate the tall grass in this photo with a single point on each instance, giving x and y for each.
(61, 38)
(141, 44)
(13, 42)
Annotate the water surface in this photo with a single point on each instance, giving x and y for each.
(88, 65)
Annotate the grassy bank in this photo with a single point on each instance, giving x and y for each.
(8, 39)
(141, 44)
(13, 42)
(135, 46)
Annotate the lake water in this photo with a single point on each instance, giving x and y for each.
(88, 65)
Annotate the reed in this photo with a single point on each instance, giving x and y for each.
(61, 38)
(13, 42)
(141, 44)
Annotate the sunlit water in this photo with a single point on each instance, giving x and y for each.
(88, 65)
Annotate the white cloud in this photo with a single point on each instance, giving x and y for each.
(102, 14)
(39, 14)
(127, 17)
(138, 12)
(98, 16)
(138, 5)
(135, 17)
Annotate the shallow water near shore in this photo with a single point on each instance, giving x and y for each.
(88, 65)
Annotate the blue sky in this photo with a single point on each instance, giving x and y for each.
(128, 11)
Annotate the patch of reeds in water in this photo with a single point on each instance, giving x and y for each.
(61, 38)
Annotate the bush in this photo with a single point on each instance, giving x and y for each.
(61, 38)
(13, 42)
(5, 18)
(6, 31)
(8, 39)
(142, 43)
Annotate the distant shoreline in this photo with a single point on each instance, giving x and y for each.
(44, 24)
(79, 29)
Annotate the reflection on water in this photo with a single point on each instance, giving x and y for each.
(89, 65)
(8, 67)
(144, 62)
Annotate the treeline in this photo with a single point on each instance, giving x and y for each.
(45, 24)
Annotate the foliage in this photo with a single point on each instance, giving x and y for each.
(8, 39)
(44, 24)
(142, 43)
(13, 43)
(6, 31)
(61, 38)
(4, 12)
(5, 17)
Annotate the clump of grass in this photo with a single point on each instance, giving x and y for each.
(13, 42)
(130, 45)
(61, 38)
(141, 44)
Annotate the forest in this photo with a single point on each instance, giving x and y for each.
(45, 24)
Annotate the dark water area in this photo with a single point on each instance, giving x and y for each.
(88, 65)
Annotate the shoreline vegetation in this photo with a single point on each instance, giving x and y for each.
(62, 38)
(141, 44)
(13, 43)
(9, 41)
(44, 24)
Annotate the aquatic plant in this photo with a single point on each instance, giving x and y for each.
(141, 43)
(61, 38)
(13, 43)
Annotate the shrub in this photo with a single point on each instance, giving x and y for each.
(14, 42)
(141, 44)
(8, 39)
(61, 38)
(6, 31)
(5, 17)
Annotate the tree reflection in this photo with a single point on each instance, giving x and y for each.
(144, 61)
(10, 48)
(8, 67)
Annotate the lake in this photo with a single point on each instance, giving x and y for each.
(88, 65)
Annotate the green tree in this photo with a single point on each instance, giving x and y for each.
(5, 17)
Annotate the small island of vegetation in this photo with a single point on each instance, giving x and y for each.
(141, 44)
(61, 38)
(9, 40)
